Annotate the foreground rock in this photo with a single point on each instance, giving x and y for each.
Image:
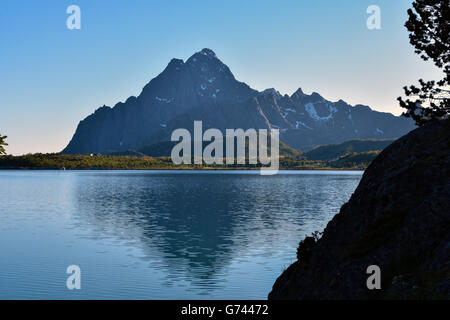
(398, 219)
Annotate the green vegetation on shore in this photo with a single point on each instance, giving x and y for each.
(354, 154)
(108, 162)
(355, 159)
(336, 151)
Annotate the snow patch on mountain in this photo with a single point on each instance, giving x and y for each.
(332, 108)
(299, 123)
(309, 107)
(166, 100)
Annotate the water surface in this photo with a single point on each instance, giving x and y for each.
(159, 234)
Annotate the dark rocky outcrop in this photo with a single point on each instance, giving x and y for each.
(204, 88)
(398, 218)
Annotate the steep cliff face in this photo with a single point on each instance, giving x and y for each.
(398, 219)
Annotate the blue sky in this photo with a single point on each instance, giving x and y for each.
(52, 77)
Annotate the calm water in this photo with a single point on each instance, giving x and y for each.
(158, 234)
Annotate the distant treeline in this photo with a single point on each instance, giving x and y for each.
(108, 162)
(355, 154)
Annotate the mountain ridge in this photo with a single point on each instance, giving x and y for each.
(204, 88)
(334, 151)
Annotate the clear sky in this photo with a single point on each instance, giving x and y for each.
(52, 77)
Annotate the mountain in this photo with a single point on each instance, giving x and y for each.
(204, 88)
(164, 149)
(398, 219)
(334, 151)
(355, 160)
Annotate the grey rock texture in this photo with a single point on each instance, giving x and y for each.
(398, 218)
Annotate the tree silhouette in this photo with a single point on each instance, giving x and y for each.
(2, 143)
(429, 28)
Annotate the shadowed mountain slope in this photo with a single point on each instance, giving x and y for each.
(204, 88)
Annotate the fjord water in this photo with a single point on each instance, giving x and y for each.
(159, 234)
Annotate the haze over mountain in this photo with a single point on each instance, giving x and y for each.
(204, 88)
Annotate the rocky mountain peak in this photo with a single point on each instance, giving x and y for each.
(204, 56)
(273, 92)
(175, 63)
(208, 52)
(204, 88)
(316, 96)
(297, 94)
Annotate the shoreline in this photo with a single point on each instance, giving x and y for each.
(176, 169)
